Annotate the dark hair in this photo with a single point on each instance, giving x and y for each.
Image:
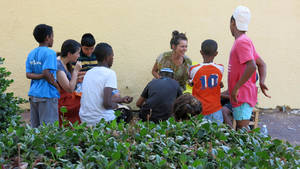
(176, 37)
(69, 46)
(41, 31)
(209, 47)
(102, 51)
(232, 18)
(88, 40)
(166, 74)
(186, 106)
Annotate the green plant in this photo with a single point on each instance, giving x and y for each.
(196, 143)
(9, 109)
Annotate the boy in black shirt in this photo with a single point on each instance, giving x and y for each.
(158, 97)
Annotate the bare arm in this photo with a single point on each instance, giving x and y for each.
(34, 76)
(250, 69)
(111, 103)
(140, 101)
(68, 86)
(262, 71)
(49, 78)
(155, 71)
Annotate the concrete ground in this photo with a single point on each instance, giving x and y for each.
(280, 125)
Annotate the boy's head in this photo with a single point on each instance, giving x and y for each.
(43, 34)
(186, 106)
(209, 48)
(166, 72)
(87, 44)
(104, 53)
(240, 19)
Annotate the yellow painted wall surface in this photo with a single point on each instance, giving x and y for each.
(139, 30)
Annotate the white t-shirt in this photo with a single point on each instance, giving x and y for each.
(94, 82)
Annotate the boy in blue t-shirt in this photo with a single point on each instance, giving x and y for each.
(41, 66)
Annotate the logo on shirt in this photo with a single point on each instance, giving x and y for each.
(33, 62)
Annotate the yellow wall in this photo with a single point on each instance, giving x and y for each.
(139, 30)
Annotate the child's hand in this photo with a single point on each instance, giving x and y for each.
(127, 99)
(264, 88)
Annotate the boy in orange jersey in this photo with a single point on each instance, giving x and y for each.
(207, 82)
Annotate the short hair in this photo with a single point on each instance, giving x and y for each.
(176, 37)
(209, 47)
(102, 51)
(41, 31)
(88, 40)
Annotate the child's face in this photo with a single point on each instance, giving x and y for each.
(87, 50)
(110, 60)
(49, 40)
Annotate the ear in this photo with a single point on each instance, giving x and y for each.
(201, 52)
(233, 23)
(69, 54)
(173, 46)
(216, 53)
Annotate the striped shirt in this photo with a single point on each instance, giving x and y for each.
(87, 62)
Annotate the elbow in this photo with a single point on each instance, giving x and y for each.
(138, 104)
(107, 104)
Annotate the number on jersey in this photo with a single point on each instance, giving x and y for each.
(211, 81)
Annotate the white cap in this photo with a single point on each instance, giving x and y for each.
(242, 17)
(264, 125)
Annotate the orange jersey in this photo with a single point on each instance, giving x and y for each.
(206, 78)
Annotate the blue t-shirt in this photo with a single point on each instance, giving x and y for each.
(39, 59)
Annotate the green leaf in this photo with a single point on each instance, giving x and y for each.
(116, 155)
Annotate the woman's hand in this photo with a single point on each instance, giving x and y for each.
(78, 66)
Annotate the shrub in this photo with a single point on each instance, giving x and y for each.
(9, 109)
(170, 144)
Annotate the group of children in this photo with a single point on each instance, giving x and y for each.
(86, 90)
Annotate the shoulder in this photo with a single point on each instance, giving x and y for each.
(60, 65)
(187, 60)
(220, 67)
(243, 41)
(106, 71)
(164, 55)
(48, 50)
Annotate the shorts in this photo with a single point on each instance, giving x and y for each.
(215, 117)
(243, 112)
(43, 110)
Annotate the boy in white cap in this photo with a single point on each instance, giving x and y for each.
(158, 97)
(242, 69)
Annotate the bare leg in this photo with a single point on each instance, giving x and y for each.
(227, 116)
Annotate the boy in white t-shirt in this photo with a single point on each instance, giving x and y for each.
(96, 101)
